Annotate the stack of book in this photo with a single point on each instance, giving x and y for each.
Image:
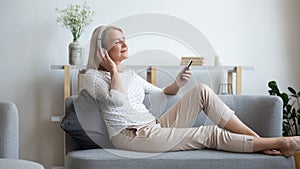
(198, 61)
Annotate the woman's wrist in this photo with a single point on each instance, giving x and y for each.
(113, 71)
(176, 85)
(172, 89)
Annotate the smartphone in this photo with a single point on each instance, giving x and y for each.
(188, 66)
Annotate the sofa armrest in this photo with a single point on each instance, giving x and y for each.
(263, 114)
(9, 130)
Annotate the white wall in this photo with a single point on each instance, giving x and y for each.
(264, 34)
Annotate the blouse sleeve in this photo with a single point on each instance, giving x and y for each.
(99, 87)
(148, 87)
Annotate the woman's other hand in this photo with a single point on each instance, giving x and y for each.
(183, 76)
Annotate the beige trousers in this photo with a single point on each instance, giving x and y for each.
(171, 131)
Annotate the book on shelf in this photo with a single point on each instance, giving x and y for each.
(199, 61)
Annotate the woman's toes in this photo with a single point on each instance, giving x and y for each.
(272, 152)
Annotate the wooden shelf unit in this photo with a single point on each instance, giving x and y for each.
(152, 75)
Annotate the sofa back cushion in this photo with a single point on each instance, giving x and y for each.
(261, 113)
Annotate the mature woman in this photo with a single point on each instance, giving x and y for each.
(120, 92)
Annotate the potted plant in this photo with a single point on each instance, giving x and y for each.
(75, 18)
(291, 113)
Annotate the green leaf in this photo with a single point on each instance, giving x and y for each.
(288, 108)
(285, 130)
(294, 95)
(272, 83)
(274, 88)
(293, 114)
(292, 90)
(285, 98)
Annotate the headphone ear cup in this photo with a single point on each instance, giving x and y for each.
(102, 50)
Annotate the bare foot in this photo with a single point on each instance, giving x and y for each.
(290, 145)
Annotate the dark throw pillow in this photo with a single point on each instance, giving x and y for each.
(84, 123)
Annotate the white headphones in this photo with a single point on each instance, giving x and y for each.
(99, 45)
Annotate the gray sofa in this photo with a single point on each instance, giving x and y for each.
(9, 139)
(9, 130)
(262, 113)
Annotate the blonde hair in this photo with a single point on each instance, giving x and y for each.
(95, 60)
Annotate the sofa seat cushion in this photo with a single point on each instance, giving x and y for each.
(202, 159)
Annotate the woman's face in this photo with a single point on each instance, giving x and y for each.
(118, 52)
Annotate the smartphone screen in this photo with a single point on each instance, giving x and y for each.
(191, 61)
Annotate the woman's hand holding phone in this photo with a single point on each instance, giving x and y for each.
(184, 75)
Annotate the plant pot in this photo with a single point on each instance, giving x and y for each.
(297, 159)
(75, 53)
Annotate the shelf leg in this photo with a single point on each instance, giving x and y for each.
(66, 81)
(66, 94)
(151, 75)
(229, 81)
(238, 80)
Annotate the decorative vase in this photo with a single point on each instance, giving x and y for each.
(218, 61)
(75, 53)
